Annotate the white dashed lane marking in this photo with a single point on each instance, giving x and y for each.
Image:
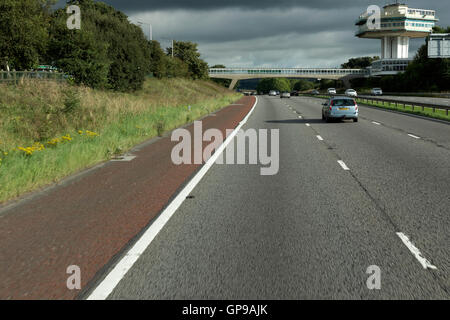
(416, 252)
(320, 138)
(343, 165)
(413, 136)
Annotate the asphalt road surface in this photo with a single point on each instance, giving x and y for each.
(312, 230)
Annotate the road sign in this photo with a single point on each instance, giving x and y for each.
(439, 45)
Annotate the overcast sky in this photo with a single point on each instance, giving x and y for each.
(266, 33)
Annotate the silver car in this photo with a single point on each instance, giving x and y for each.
(340, 108)
(351, 93)
(272, 93)
(377, 92)
(285, 95)
(331, 91)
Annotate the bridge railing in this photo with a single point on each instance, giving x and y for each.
(287, 71)
(14, 76)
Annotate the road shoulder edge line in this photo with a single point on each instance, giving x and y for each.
(109, 283)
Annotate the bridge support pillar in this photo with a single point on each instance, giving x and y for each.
(233, 84)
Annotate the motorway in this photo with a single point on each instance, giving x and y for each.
(345, 198)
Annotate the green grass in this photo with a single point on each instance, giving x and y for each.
(427, 112)
(37, 112)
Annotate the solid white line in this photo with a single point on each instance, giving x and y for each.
(413, 136)
(377, 123)
(320, 138)
(104, 289)
(424, 262)
(125, 158)
(343, 165)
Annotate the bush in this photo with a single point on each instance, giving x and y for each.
(280, 84)
(107, 52)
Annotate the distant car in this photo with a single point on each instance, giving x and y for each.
(331, 91)
(377, 92)
(272, 93)
(285, 95)
(340, 108)
(294, 94)
(278, 93)
(315, 92)
(351, 93)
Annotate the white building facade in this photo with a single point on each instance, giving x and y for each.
(398, 23)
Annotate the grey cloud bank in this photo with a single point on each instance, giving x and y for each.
(268, 33)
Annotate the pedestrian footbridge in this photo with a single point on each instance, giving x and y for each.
(236, 74)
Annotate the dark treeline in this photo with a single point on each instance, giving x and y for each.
(285, 84)
(107, 52)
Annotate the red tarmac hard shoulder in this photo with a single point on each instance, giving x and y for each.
(89, 219)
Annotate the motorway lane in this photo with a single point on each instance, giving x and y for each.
(409, 178)
(310, 231)
(428, 129)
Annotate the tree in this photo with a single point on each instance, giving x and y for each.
(359, 63)
(280, 84)
(158, 60)
(175, 68)
(188, 53)
(23, 32)
(327, 83)
(303, 85)
(79, 52)
(108, 51)
(438, 29)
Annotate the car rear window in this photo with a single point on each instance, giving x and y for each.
(343, 102)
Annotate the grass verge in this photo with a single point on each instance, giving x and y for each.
(49, 130)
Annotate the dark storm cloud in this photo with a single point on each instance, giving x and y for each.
(267, 32)
(143, 5)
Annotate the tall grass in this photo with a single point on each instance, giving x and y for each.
(40, 111)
